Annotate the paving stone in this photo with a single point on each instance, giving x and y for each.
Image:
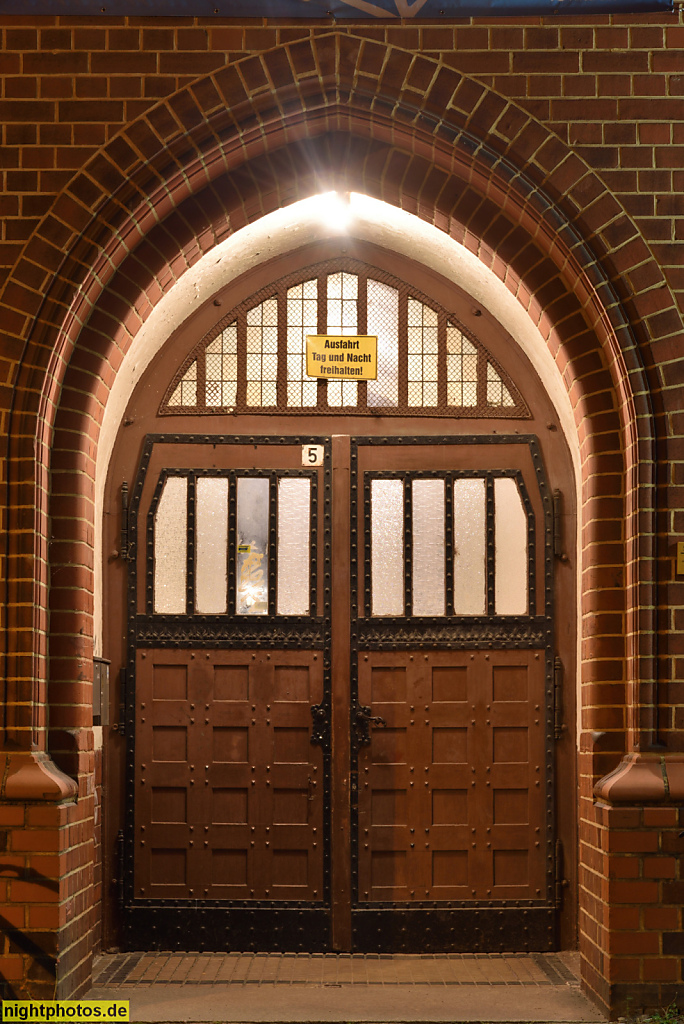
(541, 970)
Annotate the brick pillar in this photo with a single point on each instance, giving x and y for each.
(631, 923)
(33, 839)
(48, 899)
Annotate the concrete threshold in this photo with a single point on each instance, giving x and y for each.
(315, 1003)
(383, 990)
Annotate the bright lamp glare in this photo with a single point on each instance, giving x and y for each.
(334, 210)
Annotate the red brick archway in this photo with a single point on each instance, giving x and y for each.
(329, 112)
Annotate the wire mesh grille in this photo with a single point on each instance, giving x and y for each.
(497, 392)
(461, 369)
(423, 347)
(262, 354)
(302, 319)
(342, 318)
(222, 369)
(383, 320)
(428, 362)
(185, 391)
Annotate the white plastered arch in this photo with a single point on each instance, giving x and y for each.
(313, 220)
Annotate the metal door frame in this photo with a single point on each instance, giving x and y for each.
(260, 924)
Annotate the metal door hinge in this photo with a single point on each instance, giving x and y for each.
(120, 726)
(561, 883)
(124, 521)
(558, 724)
(557, 526)
(119, 880)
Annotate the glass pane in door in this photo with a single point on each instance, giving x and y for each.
(428, 547)
(170, 547)
(294, 510)
(211, 541)
(510, 543)
(387, 547)
(470, 548)
(252, 546)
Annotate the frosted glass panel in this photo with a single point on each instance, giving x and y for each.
(428, 547)
(470, 549)
(510, 548)
(383, 320)
(170, 547)
(387, 547)
(211, 545)
(252, 546)
(294, 508)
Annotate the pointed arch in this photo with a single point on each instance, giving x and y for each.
(316, 114)
(271, 128)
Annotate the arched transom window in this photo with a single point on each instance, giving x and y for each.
(254, 359)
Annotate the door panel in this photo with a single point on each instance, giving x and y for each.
(228, 697)
(452, 818)
(230, 794)
(452, 784)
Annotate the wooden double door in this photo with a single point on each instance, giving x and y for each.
(338, 698)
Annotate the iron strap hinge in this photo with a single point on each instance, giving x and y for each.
(123, 546)
(557, 525)
(120, 726)
(560, 881)
(119, 880)
(558, 724)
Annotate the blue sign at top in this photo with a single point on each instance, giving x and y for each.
(332, 9)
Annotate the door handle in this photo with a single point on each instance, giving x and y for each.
(363, 719)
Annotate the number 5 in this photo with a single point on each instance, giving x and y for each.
(312, 455)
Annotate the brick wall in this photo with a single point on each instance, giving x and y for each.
(98, 115)
(34, 858)
(612, 88)
(631, 862)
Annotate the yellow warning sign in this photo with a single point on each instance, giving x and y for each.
(680, 558)
(348, 356)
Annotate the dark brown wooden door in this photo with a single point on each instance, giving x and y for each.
(451, 806)
(452, 722)
(338, 695)
(230, 790)
(469, 725)
(228, 688)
